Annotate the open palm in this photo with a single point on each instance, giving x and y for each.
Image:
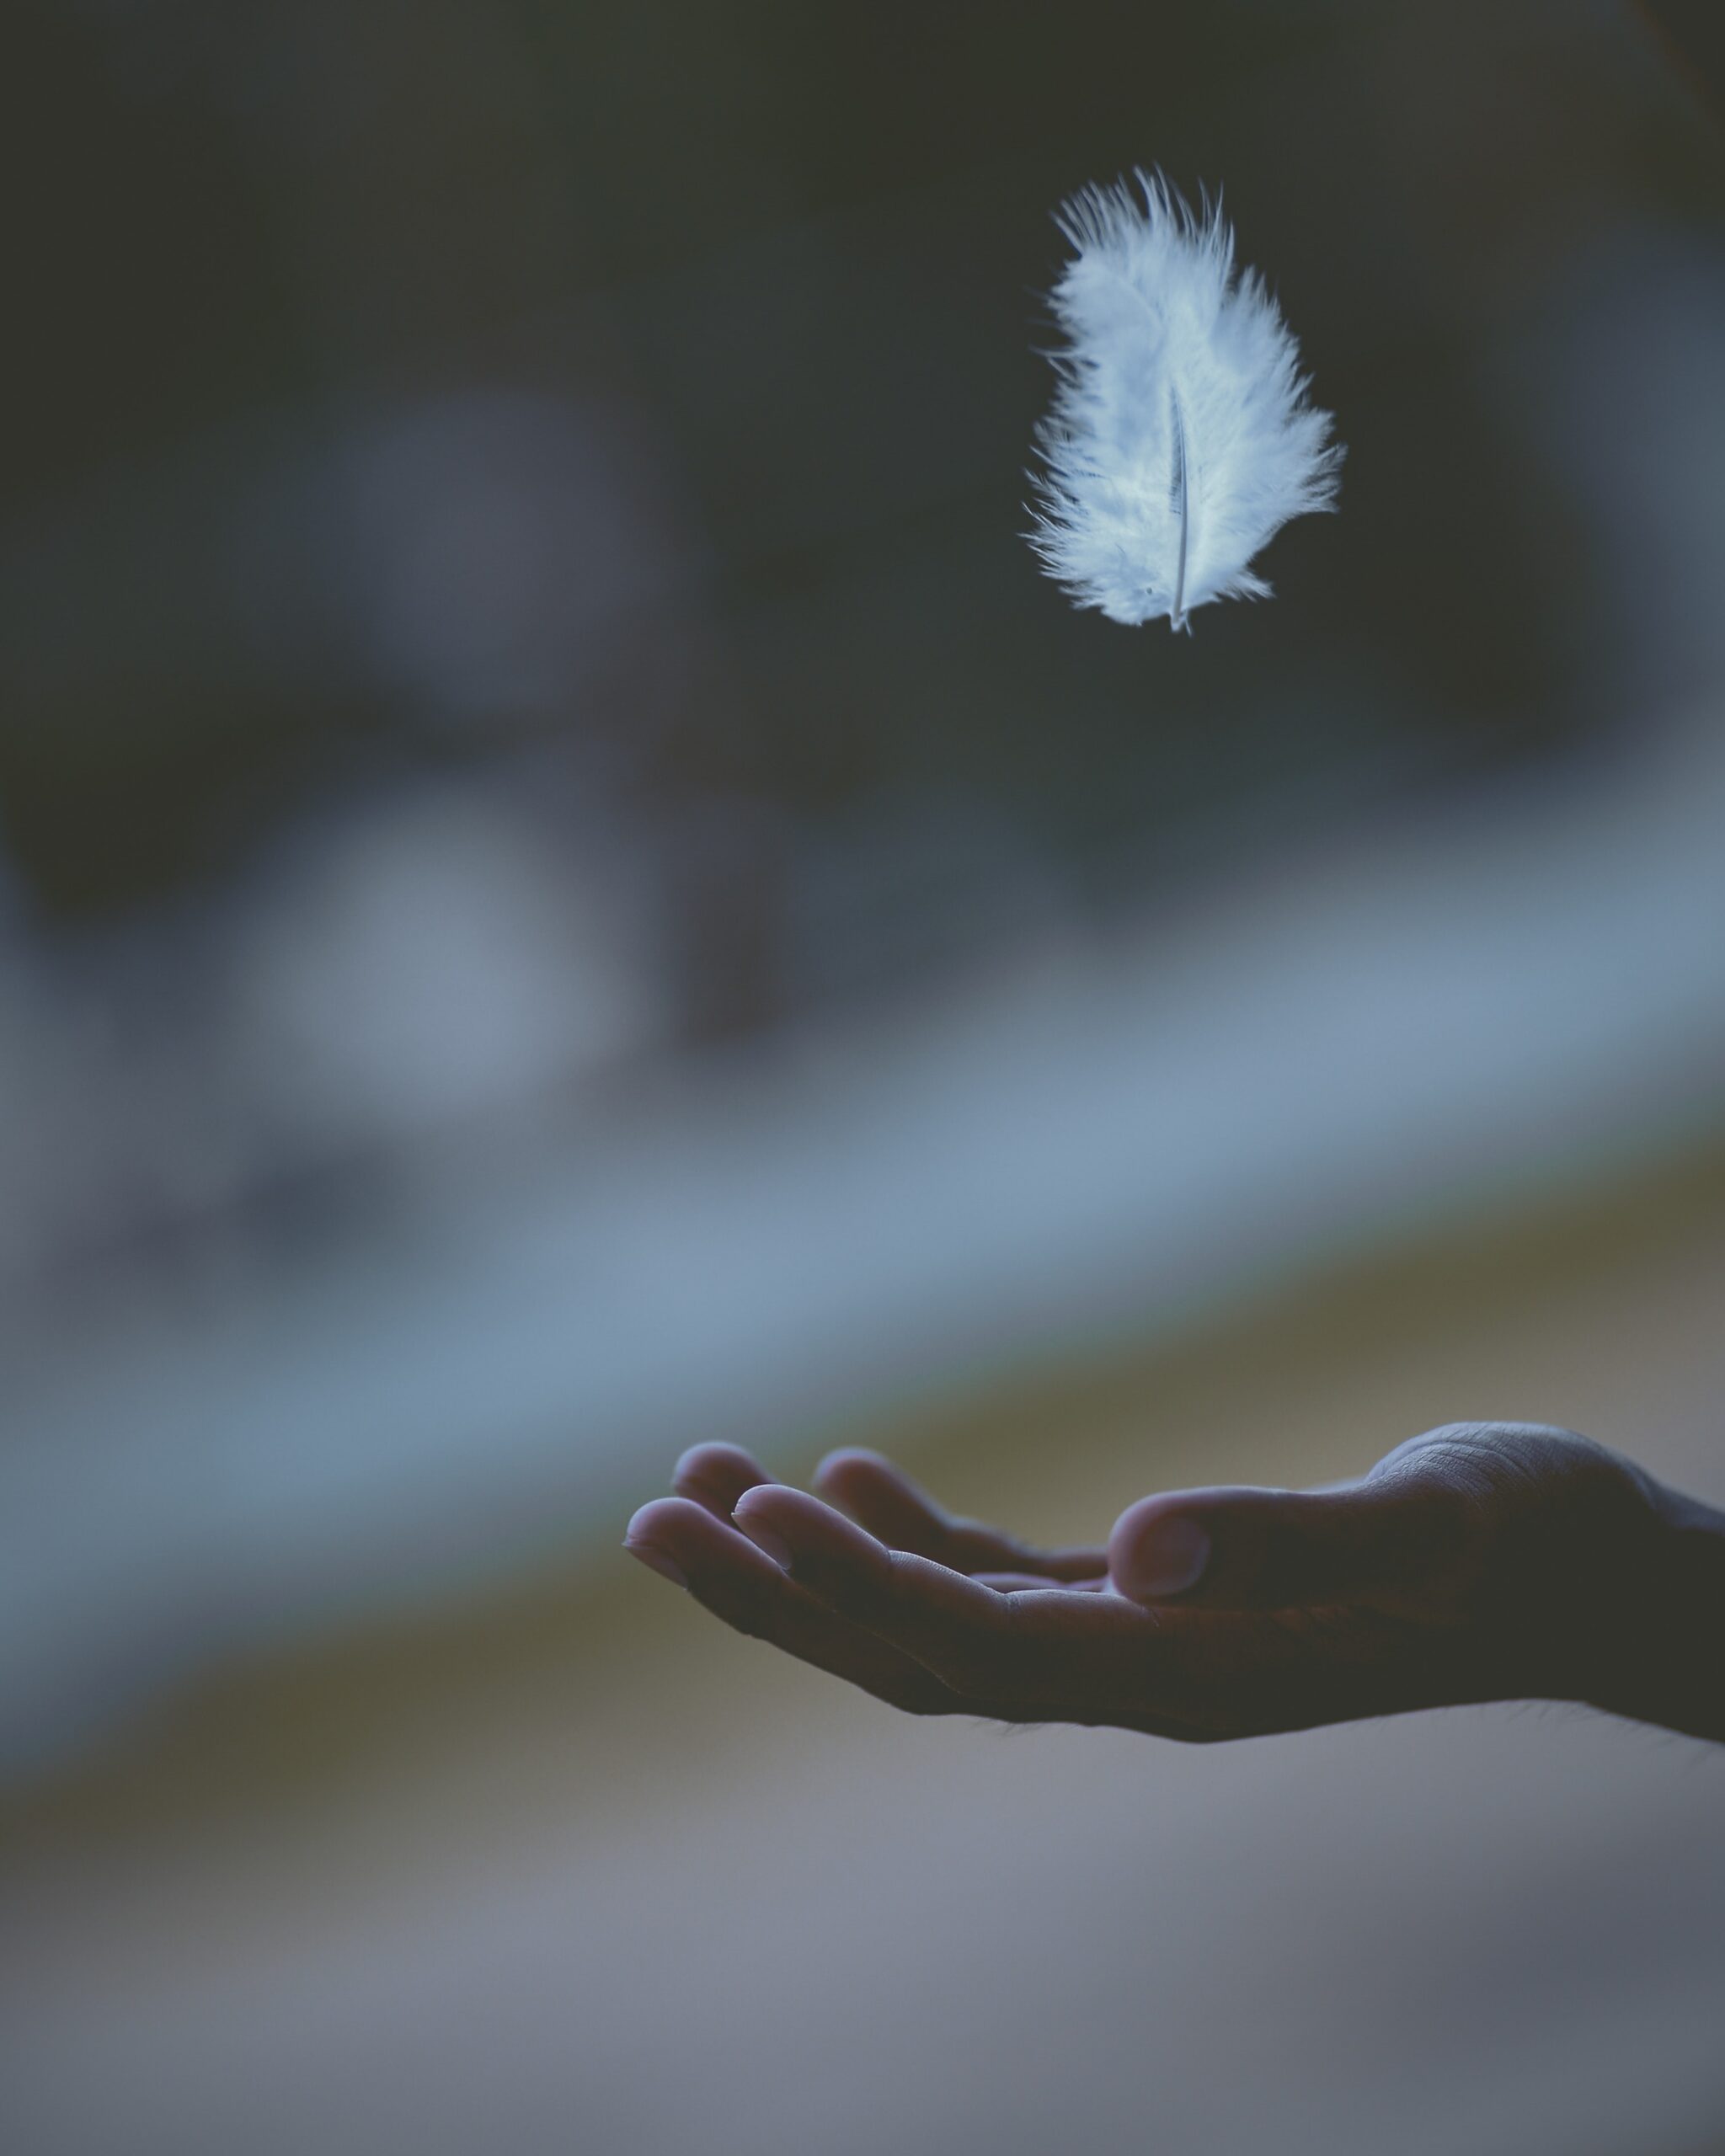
(1466, 1566)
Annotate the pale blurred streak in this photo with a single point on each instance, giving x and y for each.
(1531, 991)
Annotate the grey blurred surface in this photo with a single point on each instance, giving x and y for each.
(597, 1875)
(1481, 1933)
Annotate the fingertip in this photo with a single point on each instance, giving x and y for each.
(1158, 1549)
(848, 1462)
(650, 1522)
(652, 1533)
(712, 1456)
(774, 1503)
(655, 1561)
(714, 1475)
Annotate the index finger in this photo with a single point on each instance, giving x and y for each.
(881, 1497)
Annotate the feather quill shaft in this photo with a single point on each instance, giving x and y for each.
(1180, 439)
(1182, 510)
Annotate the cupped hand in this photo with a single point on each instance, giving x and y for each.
(1480, 1562)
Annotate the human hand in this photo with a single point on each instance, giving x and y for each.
(1480, 1562)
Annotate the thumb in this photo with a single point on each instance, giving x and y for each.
(1277, 1548)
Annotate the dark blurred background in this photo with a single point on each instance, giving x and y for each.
(566, 887)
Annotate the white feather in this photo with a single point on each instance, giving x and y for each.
(1180, 438)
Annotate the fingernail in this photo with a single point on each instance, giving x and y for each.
(765, 1540)
(656, 1560)
(1168, 1557)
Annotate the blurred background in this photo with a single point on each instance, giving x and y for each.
(566, 888)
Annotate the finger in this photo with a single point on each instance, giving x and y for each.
(730, 1576)
(716, 1475)
(1056, 1652)
(1031, 1583)
(1283, 1549)
(884, 1499)
(940, 1617)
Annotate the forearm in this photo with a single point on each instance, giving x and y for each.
(1669, 1667)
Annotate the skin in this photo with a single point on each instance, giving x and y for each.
(1480, 1562)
